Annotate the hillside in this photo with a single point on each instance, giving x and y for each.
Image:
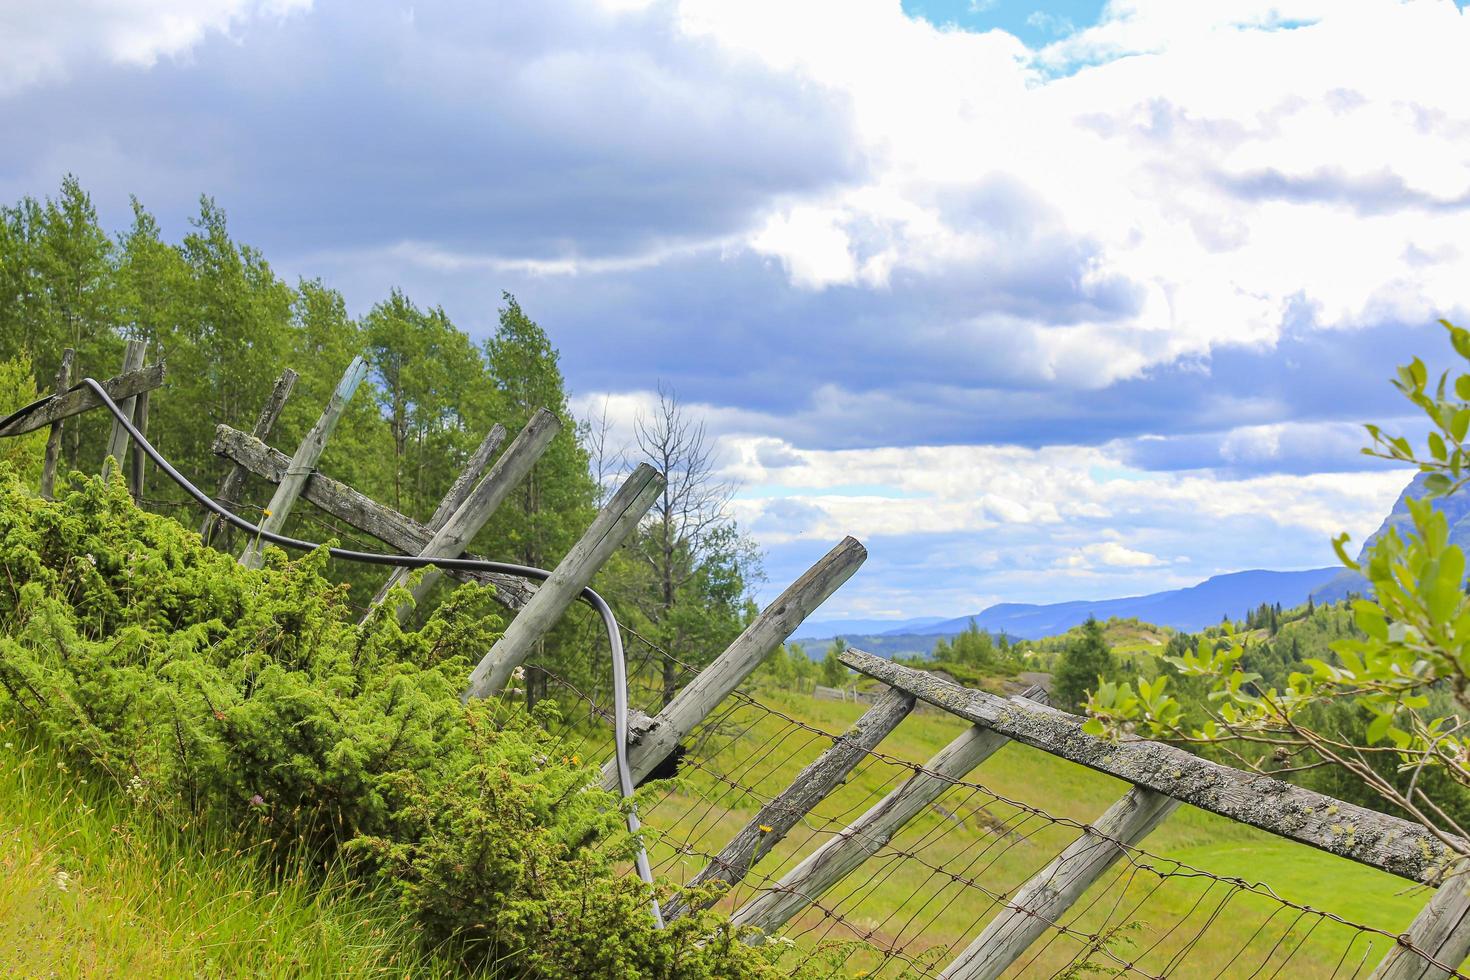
(1190, 609)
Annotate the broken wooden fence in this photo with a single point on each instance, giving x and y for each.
(1160, 777)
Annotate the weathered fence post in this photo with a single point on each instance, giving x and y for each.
(468, 477)
(770, 826)
(865, 836)
(614, 523)
(304, 461)
(458, 492)
(235, 478)
(53, 440)
(479, 505)
(713, 684)
(117, 443)
(1052, 890)
(139, 460)
(1441, 931)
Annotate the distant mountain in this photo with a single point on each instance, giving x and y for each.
(1190, 609)
(1456, 509)
(825, 629)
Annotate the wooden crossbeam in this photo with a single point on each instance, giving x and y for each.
(69, 403)
(403, 534)
(571, 575)
(1376, 839)
(771, 628)
(770, 826)
(1042, 901)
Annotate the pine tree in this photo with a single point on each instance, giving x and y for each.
(1084, 660)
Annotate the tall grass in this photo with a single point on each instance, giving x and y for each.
(94, 884)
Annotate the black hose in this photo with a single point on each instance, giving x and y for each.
(614, 636)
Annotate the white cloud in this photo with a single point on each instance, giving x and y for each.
(46, 41)
(1109, 553)
(1224, 199)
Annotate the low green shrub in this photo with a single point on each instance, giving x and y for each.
(255, 698)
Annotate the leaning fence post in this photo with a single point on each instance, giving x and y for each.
(117, 443)
(53, 440)
(1053, 890)
(865, 836)
(614, 523)
(235, 478)
(459, 491)
(140, 422)
(714, 683)
(1441, 932)
(768, 827)
(451, 539)
(304, 461)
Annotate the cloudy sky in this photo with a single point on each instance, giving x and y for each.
(1041, 300)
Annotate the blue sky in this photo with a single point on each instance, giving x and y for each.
(1041, 301)
(1034, 24)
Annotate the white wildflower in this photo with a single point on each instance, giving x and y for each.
(519, 673)
(91, 558)
(62, 881)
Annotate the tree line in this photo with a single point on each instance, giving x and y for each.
(227, 324)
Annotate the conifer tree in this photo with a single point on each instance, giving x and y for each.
(1085, 659)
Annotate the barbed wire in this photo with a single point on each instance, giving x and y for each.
(1150, 916)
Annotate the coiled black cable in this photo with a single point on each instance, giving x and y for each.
(609, 622)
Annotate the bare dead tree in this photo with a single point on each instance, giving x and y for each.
(604, 460)
(689, 520)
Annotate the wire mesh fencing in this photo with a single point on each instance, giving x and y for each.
(930, 888)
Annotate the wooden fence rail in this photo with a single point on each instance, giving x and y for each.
(1376, 839)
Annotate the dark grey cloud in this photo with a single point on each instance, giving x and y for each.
(918, 368)
(520, 129)
(1367, 194)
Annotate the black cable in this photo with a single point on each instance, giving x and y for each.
(610, 623)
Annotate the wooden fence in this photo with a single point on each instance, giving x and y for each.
(1160, 777)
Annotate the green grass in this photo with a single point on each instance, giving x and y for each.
(900, 901)
(92, 884)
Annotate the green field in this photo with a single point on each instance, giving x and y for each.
(1175, 925)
